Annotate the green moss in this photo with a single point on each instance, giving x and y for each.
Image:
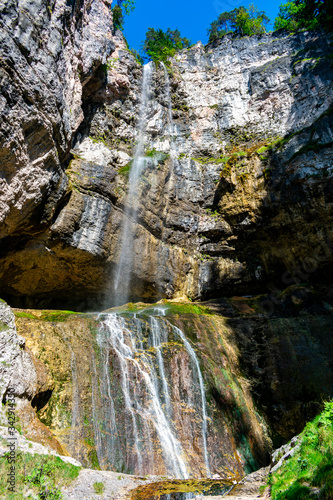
(3, 326)
(47, 315)
(99, 488)
(311, 466)
(92, 455)
(56, 315)
(168, 307)
(125, 169)
(159, 155)
(178, 308)
(23, 314)
(44, 475)
(99, 139)
(216, 161)
(151, 152)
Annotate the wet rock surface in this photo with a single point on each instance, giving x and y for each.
(108, 410)
(265, 376)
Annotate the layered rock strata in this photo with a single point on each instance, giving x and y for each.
(242, 204)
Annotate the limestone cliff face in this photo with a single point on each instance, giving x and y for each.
(50, 52)
(242, 202)
(24, 378)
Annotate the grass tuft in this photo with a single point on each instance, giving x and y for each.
(36, 476)
(309, 472)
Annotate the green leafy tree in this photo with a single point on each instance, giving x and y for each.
(122, 8)
(240, 21)
(225, 23)
(305, 14)
(251, 21)
(159, 45)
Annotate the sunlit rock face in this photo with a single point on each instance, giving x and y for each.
(152, 392)
(241, 203)
(124, 393)
(24, 381)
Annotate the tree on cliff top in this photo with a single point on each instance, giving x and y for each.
(159, 45)
(240, 21)
(122, 8)
(305, 14)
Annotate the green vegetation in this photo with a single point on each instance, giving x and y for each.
(159, 45)
(125, 170)
(99, 488)
(169, 307)
(240, 21)
(122, 8)
(151, 152)
(309, 472)
(43, 475)
(137, 56)
(204, 161)
(56, 315)
(305, 14)
(183, 308)
(46, 315)
(24, 314)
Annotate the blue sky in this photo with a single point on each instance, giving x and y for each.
(191, 17)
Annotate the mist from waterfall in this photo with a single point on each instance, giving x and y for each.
(124, 268)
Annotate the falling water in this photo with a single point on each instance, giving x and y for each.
(124, 269)
(156, 334)
(194, 358)
(115, 334)
(139, 405)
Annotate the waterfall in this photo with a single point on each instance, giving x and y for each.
(194, 358)
(151, 399)
(146, 423)
(125, 264)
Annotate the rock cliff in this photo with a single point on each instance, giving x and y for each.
(264, 376)
(242, 204)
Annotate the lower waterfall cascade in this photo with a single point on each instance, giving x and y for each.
(139, 401)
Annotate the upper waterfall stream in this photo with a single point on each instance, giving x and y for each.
(126, 251)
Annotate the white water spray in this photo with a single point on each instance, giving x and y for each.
(194, 358)
(115, 333)
(125, 264)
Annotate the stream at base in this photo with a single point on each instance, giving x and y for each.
(181, 490)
